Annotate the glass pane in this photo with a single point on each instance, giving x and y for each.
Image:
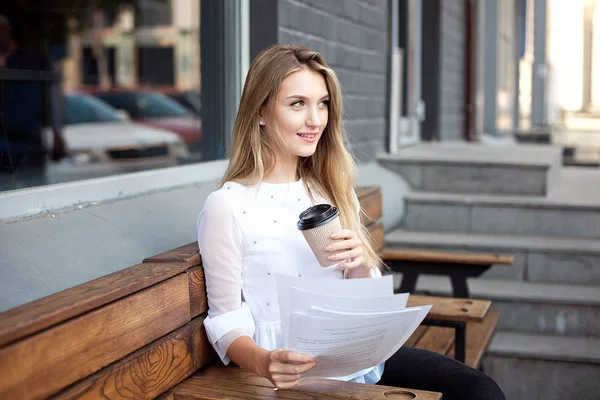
(91, 89)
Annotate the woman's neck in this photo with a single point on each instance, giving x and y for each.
(285, 171)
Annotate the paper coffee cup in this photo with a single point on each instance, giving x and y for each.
(317, 224)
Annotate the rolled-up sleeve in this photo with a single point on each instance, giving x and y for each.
(220, 244)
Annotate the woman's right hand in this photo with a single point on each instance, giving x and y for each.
(284, 368)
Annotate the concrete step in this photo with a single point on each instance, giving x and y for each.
(459, 167)
(532, 366)
(572, 310)
(562, 213)
(537, 259)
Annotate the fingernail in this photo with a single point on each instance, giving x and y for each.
(328, 248)
(331, 258)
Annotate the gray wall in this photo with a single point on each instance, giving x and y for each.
(353, 38)
(452, 69)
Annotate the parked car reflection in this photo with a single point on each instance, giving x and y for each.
(190, 99)
(156, 109)
(100, 141)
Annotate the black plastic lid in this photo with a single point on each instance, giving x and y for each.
(316, 216)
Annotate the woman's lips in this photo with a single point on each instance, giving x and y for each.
(308, 137)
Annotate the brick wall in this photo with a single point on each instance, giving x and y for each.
(352, 35)
(452, 70)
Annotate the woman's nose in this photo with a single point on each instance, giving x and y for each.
(313, 118)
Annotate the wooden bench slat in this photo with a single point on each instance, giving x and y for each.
(43, 364)
(371, 203)
(307, 389)
(22, 321)
(414, 338)
(198, 300)
(151, 371)
(478, 336)
(204, 353)
(377, 236)
(146, 374)
(187, 254)
(452, 309)
(437, 339)
(445, 257)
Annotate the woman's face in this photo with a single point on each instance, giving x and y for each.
(302, 111)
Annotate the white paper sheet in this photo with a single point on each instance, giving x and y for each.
(302, 300)
(349, 326)
(357, 288)
(342, 345)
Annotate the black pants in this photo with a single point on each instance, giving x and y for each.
(413, 368)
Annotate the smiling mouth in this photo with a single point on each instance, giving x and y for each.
(307, 136)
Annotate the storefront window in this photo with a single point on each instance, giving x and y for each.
(92, 88)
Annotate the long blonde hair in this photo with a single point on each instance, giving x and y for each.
(331, 170)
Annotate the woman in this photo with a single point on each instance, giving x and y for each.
(288, 153)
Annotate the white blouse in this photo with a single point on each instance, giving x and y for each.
(246, 235)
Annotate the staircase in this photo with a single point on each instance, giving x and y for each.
(520, 201)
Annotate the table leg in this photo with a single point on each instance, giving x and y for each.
(459, 286)
(409, 282)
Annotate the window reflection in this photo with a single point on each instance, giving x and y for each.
(95, 88)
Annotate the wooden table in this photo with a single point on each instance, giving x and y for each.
(457, 266)
(453, 313)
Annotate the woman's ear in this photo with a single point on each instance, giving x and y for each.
(261, 114)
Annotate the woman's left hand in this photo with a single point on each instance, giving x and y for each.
(354, 254)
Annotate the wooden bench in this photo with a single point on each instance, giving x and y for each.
(411, 263)
(138, 334)
(458, 327)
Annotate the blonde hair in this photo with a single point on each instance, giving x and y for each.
(331, 170)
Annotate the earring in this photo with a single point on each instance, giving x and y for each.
(261, 123)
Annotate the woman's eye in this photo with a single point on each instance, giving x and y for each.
(325, 103)
(298, 103)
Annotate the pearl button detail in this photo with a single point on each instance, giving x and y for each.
(268, 273)
(268, 304)
(299, 275)
(274, 221)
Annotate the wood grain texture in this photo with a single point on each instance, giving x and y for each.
(33, 317)
(43, 364)
(452, 309)
(167, 396)
(446, 257)
(371, 203)
(437, 339)
(203, 351)
(414, 338)
(479, 335)
(187, 254)
(198, 300)
(377, 236)
(145, 374)
(237, 383)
